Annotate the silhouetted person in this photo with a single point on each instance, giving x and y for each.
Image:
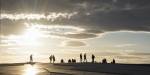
(62, 61)
(81, 57)
(31, 58)
(113, 61)
(93, 57)
(85, 60)
(104, 61)
(73, 60)
(50, 58)
(53, 58)
(69, 61)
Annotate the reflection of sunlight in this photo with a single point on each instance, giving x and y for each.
(30, 70)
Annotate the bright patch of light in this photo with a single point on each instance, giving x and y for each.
(30, 37)
(35, 32)
(30, 70)
(56, 29)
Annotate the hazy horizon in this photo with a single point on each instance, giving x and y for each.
(118, 29)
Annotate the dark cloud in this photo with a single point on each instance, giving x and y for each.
(96, 16)
(77, 35)
(74, 43)
(70, 5)
(81, 35)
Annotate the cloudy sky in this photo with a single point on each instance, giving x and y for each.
(109, 29)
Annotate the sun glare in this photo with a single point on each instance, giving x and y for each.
(30, 37)
(30, 70)
(32, 33)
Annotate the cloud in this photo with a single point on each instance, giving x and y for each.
(139, 54)
(81, 35)
(34, 32)
(74, 43)
(95, 17)
(125, 45)
(48, 16)
(9, 27)
(110, 53)
(66, 31)
(129, 57)
(71, 32)
(73, 20)
(19, 40)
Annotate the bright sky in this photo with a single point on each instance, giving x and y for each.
(112, 29)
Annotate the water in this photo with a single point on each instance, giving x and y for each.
(42, 70)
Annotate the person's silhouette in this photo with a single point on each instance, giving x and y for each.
(85, 60)
(72, 60)
(93, 57)
(50, 58)
(31, 58)
(53, 58)
(69, 61)
(80, 57)
(104, 60)
(62, 61)
(113, 61)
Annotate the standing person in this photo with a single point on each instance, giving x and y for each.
(93, 57)
(104, 61)
(113, 61)
(50, 58)
(62, 61)
(53, 58)
(85, 60)
(80, 57)
(31, 58)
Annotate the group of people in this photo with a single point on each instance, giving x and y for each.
(72, 61)
(85, 59)
(105, 61)
(52, 58)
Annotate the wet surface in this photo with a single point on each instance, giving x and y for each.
(38, 69)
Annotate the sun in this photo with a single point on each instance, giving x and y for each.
(30, 37)
(32, 33)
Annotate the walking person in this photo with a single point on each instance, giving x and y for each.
(93, 57)
(80, 57)
(104, 61)
(50, 58)
(113, 61)
(31, 58)
(85, 60)
(53, 58)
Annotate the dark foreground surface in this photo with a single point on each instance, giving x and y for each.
(74, 69)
